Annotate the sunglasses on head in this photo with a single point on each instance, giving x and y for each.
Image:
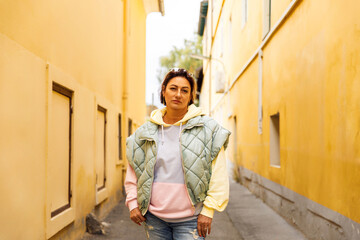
(180, 70)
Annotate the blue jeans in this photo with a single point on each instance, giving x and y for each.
(157, 229)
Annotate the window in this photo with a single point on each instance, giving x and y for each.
(229, 50)
(100, 148)
(120, 137)
(221, 31)
(59, 162)
(235, 140)
(275, 140)
(130, 127)
(266, 17)
(244, 13)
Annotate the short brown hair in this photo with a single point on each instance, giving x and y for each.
(178, 72)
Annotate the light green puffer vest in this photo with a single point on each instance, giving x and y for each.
(201, 140)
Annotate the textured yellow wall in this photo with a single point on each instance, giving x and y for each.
(310, 77)
(136, 61)
(83, 46)
(22, 147)
(53, 29)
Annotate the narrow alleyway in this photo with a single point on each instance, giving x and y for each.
(245, 218)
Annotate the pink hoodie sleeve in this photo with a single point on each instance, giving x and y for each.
(131, 188)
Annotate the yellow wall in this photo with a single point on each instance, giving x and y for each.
(136, 59)
(310, 77)
(53, 29)
(23, 117)
(97, 50)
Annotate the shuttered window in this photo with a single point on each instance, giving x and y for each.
(59, 160)
(100, 148)
(244, 12)
(130, 127)
(275, 140)
(266, 17)
(120, 137)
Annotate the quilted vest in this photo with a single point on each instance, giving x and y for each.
(201, 140)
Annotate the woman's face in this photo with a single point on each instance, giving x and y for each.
(177, 93)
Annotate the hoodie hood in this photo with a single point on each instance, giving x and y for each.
(156, 116)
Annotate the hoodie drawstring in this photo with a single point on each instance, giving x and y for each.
(162, 134)
(180, 131)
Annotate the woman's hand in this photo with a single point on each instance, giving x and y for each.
(136, 217)
(204, 225)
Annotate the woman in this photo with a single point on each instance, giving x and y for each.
(175, 179)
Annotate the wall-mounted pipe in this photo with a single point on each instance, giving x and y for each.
(260, 112)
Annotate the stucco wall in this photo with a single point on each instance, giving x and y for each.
(83, 46)
(309, 77)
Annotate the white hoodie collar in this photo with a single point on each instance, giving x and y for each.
(156, 116)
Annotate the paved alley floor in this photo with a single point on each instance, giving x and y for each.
(245, 218)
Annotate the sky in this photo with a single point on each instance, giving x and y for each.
(162, 33)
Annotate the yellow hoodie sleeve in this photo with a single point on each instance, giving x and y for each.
(218, 194)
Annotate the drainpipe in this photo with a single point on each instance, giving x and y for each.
(211, 37)
(125, 77)
(125, 64)
(260, 117)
